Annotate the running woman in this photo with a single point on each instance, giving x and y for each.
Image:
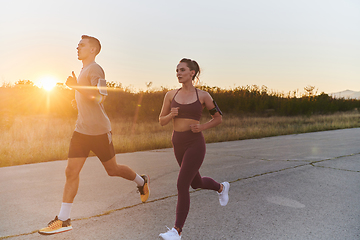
(92, 132)
(184, 107)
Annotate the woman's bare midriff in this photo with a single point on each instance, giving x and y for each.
(183, 124)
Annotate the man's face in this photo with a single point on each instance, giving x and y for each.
(84, 49)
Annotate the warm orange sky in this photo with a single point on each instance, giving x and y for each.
(284, 45)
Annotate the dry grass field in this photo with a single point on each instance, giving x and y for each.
(35, 139)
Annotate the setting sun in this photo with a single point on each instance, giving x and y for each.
(48, 83)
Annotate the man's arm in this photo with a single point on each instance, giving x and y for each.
(96, 93)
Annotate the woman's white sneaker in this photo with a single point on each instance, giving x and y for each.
(172, 234)
(224, 195)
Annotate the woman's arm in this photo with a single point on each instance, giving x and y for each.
(167, 113)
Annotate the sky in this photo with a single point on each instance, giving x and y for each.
(284, 45)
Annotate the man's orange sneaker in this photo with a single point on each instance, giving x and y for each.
(145, 190)
(56, 226)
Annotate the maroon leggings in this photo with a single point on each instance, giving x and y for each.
(189, 149)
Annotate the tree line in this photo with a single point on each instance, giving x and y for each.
(25, 98)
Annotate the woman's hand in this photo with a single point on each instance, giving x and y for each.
(195, 128)
(174, 112)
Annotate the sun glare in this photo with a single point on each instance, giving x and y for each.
(47, 83)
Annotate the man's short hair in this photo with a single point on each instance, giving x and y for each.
(93, 42)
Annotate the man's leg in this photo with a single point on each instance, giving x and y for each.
(72, 174)
(62, 222)
(116, 170)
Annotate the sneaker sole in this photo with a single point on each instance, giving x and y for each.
(63, 229)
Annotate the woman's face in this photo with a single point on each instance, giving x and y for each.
(183, 73)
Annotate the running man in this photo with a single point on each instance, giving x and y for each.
(92, 132)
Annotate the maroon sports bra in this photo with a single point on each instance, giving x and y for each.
(189, 111)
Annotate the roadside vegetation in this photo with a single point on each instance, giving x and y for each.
(37, 125)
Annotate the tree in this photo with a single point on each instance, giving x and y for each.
(24, 83)
(310, 90)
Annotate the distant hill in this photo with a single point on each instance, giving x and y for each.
(347, 94)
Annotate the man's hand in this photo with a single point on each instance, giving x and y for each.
(74, 104)
(71, 81)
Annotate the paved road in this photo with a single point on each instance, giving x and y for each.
(304, 186)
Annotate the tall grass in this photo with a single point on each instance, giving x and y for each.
(33, 139)
(235, 128)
